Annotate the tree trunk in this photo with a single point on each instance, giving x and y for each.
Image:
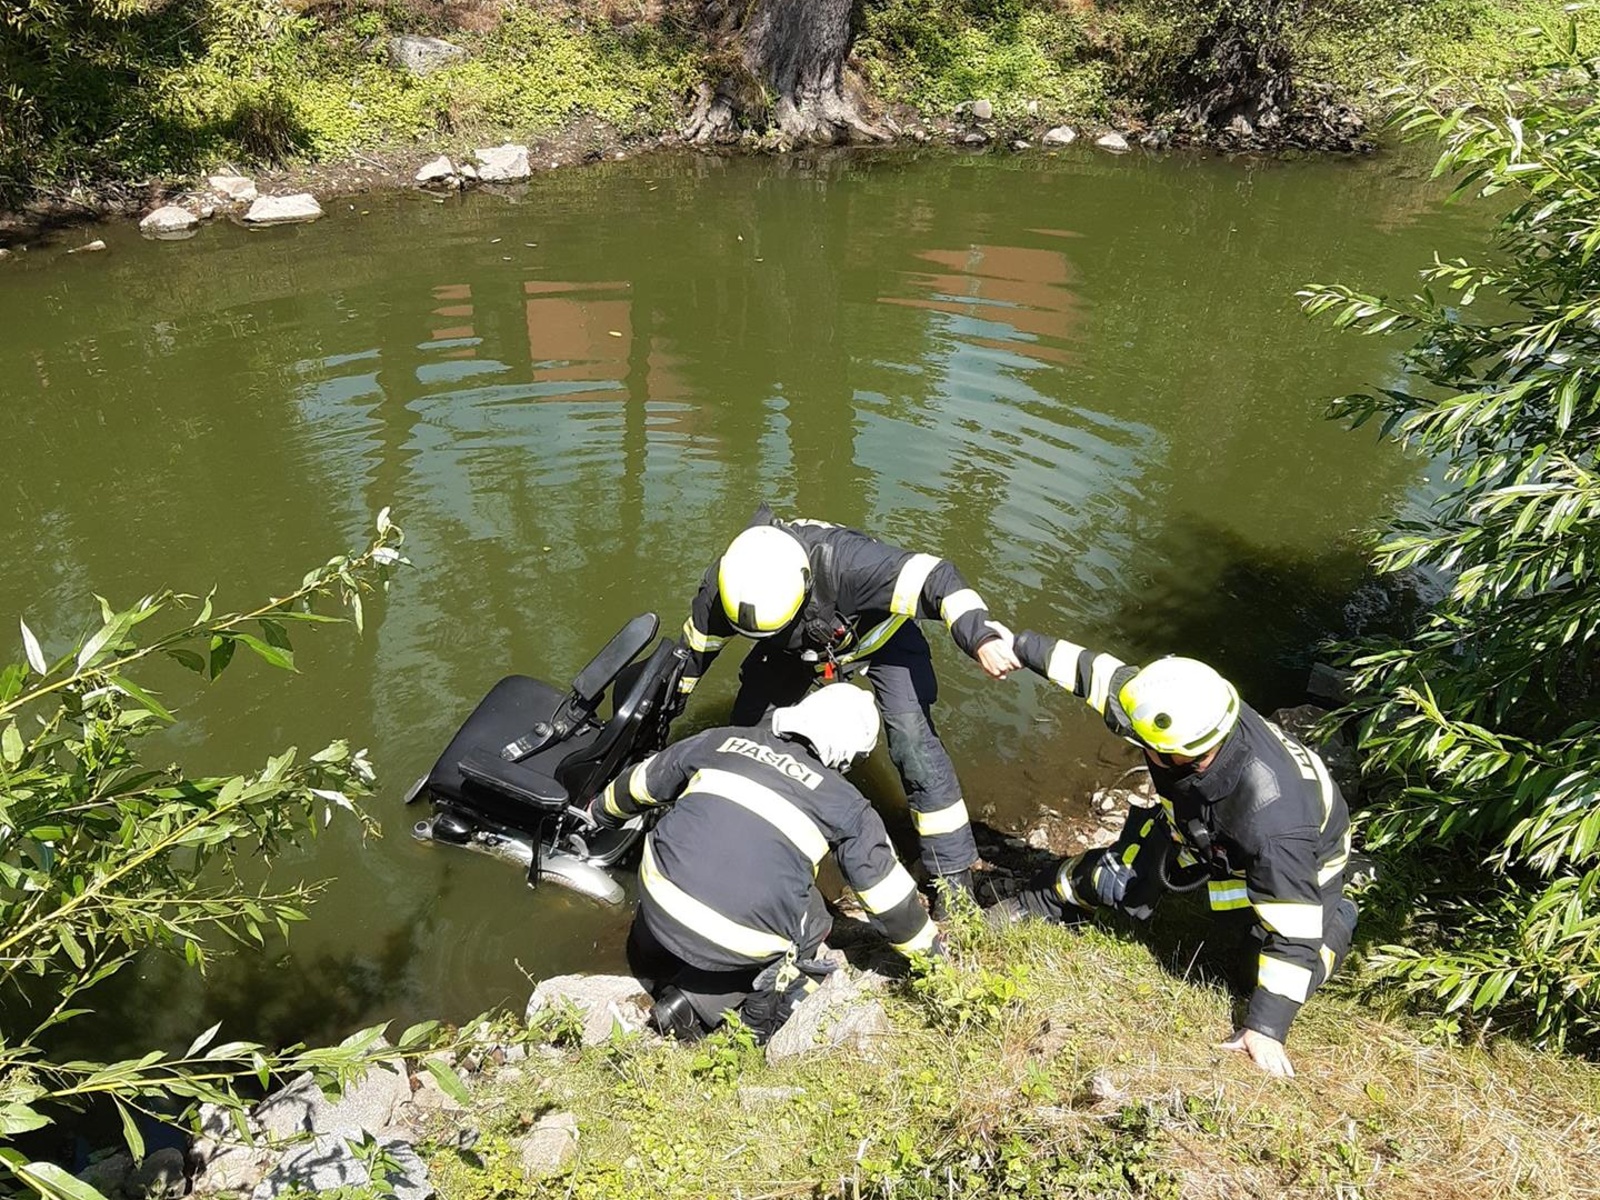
(791, 56)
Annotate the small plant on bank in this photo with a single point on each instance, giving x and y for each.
(1482, 729)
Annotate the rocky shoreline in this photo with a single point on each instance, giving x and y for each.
(174, 208)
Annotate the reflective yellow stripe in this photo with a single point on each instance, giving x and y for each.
(1284, 979)
(638, 786)
(876, 637)
(1328, 961)
(611, 805)
(941, 820)
(767, 804)
(700, 642)
(686, 684)
(1291, 918)
(1131, 853)
(1100, 672)
(1228, 893)
(958, 604)
(1064, 888)
(888, 891)
(921, 940)
(908, 587)
(755, 944)
(1062, 668)
(1335, 866)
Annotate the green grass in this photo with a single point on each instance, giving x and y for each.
(1053, 1062)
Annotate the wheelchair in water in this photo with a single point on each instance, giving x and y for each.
(517, 777)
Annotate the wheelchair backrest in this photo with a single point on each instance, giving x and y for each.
(637, 725)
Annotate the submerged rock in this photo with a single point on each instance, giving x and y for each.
(160, 1176)
(236, 188)
(282, 210)
(1113, 142)
(503, 164)
(169, 221)
(602, 1000)
(4, 254)
(422, 55)
(549, 1146)
(88, 247)
(107, 1175)
(1061, 135)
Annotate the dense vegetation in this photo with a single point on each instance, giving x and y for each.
(1481, 730)
(106, 854)
(128, 90)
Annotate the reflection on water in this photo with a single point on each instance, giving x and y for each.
(1082, 380)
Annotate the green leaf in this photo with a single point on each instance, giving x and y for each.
(201, 1042)
(30, 646)
(11, 681)
(11, 745)
(130, 1131)
(275, 655)
(448, 1080)
(221, 654)
(415, 1034)
(189, 659)
(129, 688)
(51, 1181)
(16, 1118)
(106, 637)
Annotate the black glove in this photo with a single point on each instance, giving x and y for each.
(599, 818)
(1111, 877)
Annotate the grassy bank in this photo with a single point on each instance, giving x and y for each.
(99, 91)
(1056, 1062)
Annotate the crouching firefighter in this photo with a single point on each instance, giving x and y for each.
(822, 602)
(730, 919)
(1246, 810)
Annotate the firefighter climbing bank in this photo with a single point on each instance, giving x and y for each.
(823, 602)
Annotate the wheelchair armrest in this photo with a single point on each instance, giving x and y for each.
(489, 770)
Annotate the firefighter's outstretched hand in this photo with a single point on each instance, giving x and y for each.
(1267, 1053)
(998, 656)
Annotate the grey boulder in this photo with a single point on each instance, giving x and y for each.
(549, 1146)
(283, 210)
(841, 1012)
(603, 1001)
(982, 109)
(159, 1177)
(1061, 135)
(236, 188)
(422, 55)
(435, 171)
(1113, 142)
(327, 1162)
(503, 164)
(169, 221)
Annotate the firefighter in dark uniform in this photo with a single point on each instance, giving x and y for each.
(820, 601)
(1255, 806)
(729, 917)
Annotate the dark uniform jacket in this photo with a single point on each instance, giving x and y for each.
(727, 874)
(862, 591)
(1265, 816)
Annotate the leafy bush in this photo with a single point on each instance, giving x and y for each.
(104, 856)
(1483, 729)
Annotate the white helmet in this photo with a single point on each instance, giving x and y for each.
(1180, 706)
(839, 720)
(764, 578)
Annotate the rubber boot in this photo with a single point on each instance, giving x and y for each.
(673, 1016)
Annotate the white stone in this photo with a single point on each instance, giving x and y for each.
(88, 247)
(233, 187)
(1033, 108)
(167, 220)
(436, 170)
(422, 55)
(549, 1146)
(503, 164)
(1113, 142)
(468, 171)
(1061, 135)
(982, 109)
(280, 210)
(604, 1001)
(4, 254)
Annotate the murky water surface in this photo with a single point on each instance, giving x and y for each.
(1084, 379)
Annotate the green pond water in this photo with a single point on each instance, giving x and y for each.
(1082, 378)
